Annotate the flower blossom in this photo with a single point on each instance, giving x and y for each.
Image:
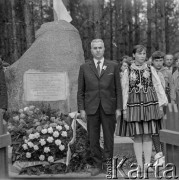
(50, 130)
(37, 135)
(28, 155)
(16, 118)
(26, 141)
(59, 128)
(61, 147)
(29, 113)
(52, 118)
(21, 111)
(26, 109)
(64, 133)
(56, 134)
(50, 159)
(31, 107)
(66, 127)
(22, 115)
(36, 147)
(58, 142)
(25, 146)
(50, 139)
(42, 142)
(44, 131)
(42, 157)
(31, 136)
(30, 144)
(46, 149)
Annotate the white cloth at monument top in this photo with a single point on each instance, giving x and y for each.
(60, 11)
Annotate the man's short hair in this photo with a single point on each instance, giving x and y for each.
(96, 41)
(169, 55)
(158, 55)
(176, 56)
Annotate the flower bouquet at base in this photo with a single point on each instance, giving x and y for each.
(39, 137)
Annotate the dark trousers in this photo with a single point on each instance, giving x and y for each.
(93, 126)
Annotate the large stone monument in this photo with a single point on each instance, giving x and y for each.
(48, 70)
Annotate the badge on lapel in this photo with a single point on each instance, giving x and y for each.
(104, 67)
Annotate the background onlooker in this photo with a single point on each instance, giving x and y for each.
(169, 62)
(158, 63)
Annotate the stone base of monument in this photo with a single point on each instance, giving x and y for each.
(123, 146)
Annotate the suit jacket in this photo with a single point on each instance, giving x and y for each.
(3, 89)
(93, 89)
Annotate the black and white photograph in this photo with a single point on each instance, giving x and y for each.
(89, 89)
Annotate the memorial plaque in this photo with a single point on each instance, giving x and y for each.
(45, 86)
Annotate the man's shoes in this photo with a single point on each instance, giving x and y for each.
(95, 171)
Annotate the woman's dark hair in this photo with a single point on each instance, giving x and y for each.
(138, 48)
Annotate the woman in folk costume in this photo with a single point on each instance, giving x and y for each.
(144, 98)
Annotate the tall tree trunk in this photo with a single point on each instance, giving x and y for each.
(29, 24)
(167, 35)
(118, 23)
(14, 31)
(2, 27)
(137, 26)
(7, 27)
(124, 28)
(149, 31)
(156, 26)
(111, 30)
(163, 39)
(129, 19)
(97, 17)
(167, 28)
(41, 12)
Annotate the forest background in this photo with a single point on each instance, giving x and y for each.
(120, 23)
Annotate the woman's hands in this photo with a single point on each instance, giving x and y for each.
(161, 112)
(124, 114)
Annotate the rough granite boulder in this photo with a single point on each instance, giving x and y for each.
(57, 48)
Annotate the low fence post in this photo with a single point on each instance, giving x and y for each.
(170, 136)
(5, 140)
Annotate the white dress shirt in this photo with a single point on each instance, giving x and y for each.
(170, 69)
(100, 65)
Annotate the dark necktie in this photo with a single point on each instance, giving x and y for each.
(98, 67)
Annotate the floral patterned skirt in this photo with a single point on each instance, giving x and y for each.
(143, 115)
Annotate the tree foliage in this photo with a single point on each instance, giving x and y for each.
(120, 23)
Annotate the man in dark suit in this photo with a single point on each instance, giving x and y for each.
(99, 100)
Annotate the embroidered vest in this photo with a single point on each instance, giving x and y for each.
(140, 79)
